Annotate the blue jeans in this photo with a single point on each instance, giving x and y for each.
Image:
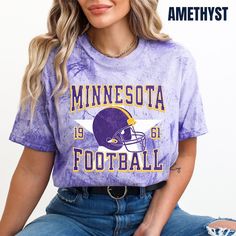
(85, 214)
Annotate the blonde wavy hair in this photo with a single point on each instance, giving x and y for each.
(66, 21)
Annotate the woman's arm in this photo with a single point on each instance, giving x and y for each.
(26, 188)
(165, 199)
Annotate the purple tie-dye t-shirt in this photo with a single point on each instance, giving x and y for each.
(121, 119)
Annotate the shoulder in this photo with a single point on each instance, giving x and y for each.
(170, 50)
(48, 72)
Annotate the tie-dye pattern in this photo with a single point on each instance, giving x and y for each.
(161, 119)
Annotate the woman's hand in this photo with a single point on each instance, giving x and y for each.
(146, 230)
(165, 199)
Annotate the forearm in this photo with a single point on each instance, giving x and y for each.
(24, 193)
(165, 199)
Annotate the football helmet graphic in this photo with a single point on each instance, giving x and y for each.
(113, 128)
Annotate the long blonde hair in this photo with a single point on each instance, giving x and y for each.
(66, 21)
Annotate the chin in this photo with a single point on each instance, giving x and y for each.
(101, 23)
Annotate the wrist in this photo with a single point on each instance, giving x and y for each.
(5, 231)
(145, 229)
(152, 226)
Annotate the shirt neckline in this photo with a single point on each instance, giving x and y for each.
(127, 61)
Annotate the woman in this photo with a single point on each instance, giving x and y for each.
(116, 114)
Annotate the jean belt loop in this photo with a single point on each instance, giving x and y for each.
(85, 192)
(142, 192)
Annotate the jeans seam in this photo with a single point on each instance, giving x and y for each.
(66, 199)
(142, 192)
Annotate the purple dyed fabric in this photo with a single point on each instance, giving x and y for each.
(121, 119)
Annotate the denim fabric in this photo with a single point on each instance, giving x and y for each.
(84, 214)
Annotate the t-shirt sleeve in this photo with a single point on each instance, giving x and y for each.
(192, 121)
(37, 135)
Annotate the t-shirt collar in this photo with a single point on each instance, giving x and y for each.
(127, 61)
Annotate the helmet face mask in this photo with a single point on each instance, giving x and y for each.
(134, 141)
(113, 128)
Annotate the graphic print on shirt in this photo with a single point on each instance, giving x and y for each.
(120, 137)
(135, 83)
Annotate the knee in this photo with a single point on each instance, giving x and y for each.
(222, 227)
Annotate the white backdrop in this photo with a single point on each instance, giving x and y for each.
(212, 189)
